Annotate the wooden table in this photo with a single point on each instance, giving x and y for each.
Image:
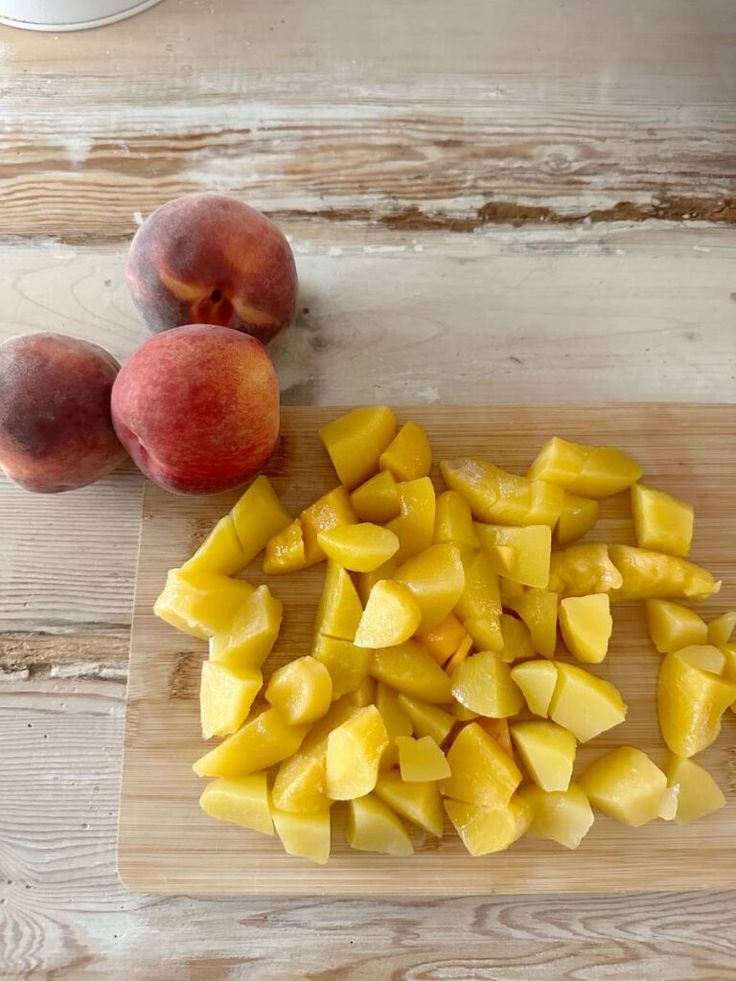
(507, 200)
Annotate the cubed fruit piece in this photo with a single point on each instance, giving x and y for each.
(578, 515)
(391, 616)
(720, 630)
(220, 551)
(436, 579)
(300, 785)
(240, 800)
(408, 456)
(583, 569)
(626, 785)
(538, 609)
(410, 670)
(200, 603)
(377, 499)
(461, 654)
(339, 610)
(356, 440)
(225, 697)
(347, 664)
(672, 626)
(421, 760)
(500, 497)
(332, 510)
(360, 548)
(586, 625)
(537, 681)
(482, 773)
(697, 792)
(285, 551)
(304, 835)
(690, 703)
(442, 641)
(654, 575)
(480, 597)
(427, 720)
(559, 462)
(248, 639)
(585, 704)
(476, 481)
(486, 634)
(704, 656)
(499, 730)
(257, 517)
(415, 524)
(301, 691)
(483, 683)
(592, 471)
(517, 640)
(661, 522)
(419, 803)
(484, 830)
(373, 827)
(547, 501)
(547, 751)
(263, 741)
(564, 816)
(365, 581)
(532, 547)
(453, 522)
(364, 694)
(354, 750)
(396, 721)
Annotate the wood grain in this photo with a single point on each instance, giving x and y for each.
(167, 845)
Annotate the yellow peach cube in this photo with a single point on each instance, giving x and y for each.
(300, 785)
(517, 640)
(443, 640)
(301, 691)
(547, 502)
(654, 575)
(396, 721)
(537, 681)
(436, 579)
(354, 751)
(538, 610)
(225, 697)
(239, 800)
(415, 524)
(564, 816)
(257, 517)
(482, 772)
(347, 664)
(532, 547)
(690, 703)
(585, 704)
(304, 835)
(356, 440)
(332, 510)
(373, 827)
(200, 603)
(547, 752)
(285, 551)
(419, 803)
(263, 741)
(410, 670)
(220, 552)
(583, 569)
(697, 792)
(672, 626)
(720, 630)
(586, 625)
(391, 616)
(421, 760)
(359, 548)
(409, 455)
(661, 522)
(486, 633)
(453, 522)
(365, 581)
(483, 684)
(485, 830)
(339, 610)
(626, 785)
(248, 639)
(377, 499)
(578, 515)
(591, 471)
(427, 720)
(480, 597)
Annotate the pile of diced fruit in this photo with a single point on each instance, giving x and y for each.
(432, 686)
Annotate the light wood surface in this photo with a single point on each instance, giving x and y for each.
(396, 143)
(166, 844)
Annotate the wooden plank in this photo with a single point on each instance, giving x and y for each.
(343, 111)
(167, 845)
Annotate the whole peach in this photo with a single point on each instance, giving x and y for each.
(56, 432)
(197, 408)
(210, 259)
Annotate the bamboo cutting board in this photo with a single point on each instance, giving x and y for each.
(166, 844)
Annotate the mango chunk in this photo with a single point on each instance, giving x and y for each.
(453, 522)
(480, 597)
(301, 691)
(332, 510)
(482, 773)
(415, 523)
(200, 603)
(697, 792)
(720, 630)
(257, 517)
(690, 704)
(626, 785)
(586, 625)
(436, 579)
(547, 752)
(532, 547)
(483, 684)
(538, 609)
(410, 670)
(442, 641)
(591, 471)
(285, 551)
(583, 569)
(396, 721)
(419, 803)
(654, 575)
(564, 816)
(377, 499)
(300, 785)
(248, 639)
(373, 827)
(517, 639)
(225, 697)
(304, 835)
(537, 681)
(484, 830)
(263, 741)
(408, 456)
(347, 664)
(339, 610)
(220, 552)
(240, 800)
(427, 720)
(360, 548)
(391, 616)
(672, 626)
(354, 751)
(486, 634)
(661, 522)
(577, 517)
(356, 440)
(585, 704)
(421, 760)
